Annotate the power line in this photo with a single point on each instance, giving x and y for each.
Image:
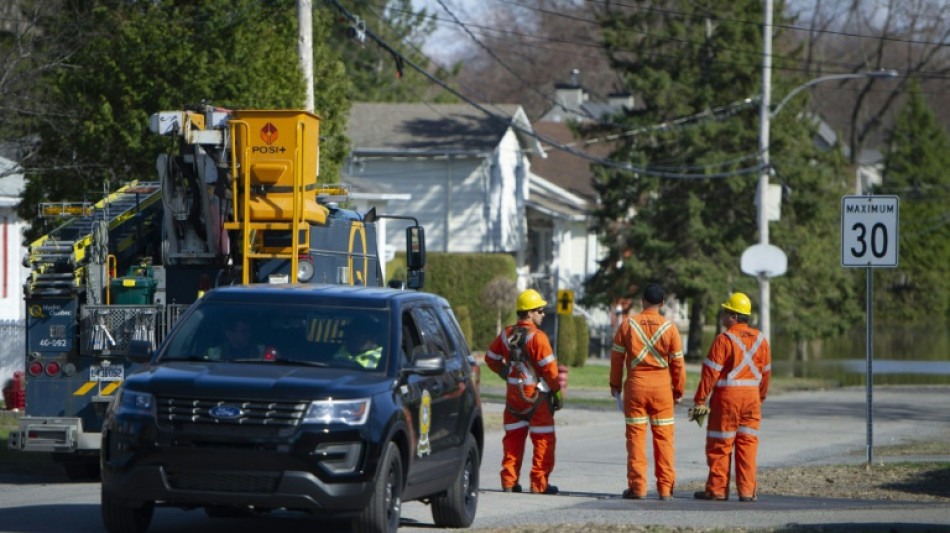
(487, 31)
(759, 24)
(646, 171)
(505, 66)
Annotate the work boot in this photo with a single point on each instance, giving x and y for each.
(752, 498)
(551, 490)
(666, 497)
(514, 488)
(703, 495)
(628, 494)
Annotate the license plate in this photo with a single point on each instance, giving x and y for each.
(107, 373)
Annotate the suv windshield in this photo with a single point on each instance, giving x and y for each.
(261, 334)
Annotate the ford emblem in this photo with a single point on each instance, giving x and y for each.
(226, 412)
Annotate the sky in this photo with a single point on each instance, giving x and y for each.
(446, 42)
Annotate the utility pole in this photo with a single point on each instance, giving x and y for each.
(765, 323)
(305, 49)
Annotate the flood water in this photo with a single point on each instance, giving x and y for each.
(903, 355)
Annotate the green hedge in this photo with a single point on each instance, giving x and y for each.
(460, 278)
(566, 340)
(464, 316)
(582, 330)
(573, 338)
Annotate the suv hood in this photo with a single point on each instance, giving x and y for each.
(256, 381)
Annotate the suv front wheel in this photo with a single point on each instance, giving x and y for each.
(381, 515)
(456, 507)
(119, 518)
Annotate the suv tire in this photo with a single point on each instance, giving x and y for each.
(120, 518)
(381, 514)
(456, 507)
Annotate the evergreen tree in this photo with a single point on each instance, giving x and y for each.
(689, 234)
(917, 169)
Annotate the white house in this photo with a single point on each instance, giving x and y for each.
(468, 179)
(12, 272)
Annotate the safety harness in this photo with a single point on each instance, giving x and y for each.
(516, 339)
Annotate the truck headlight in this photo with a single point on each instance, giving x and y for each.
(349, 412)
(130, 402)
(304, 270)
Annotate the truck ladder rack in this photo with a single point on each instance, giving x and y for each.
(56, 258)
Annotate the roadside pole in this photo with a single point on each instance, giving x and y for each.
(869, 238)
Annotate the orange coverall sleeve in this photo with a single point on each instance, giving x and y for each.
(766, 370)
(618, 356)
(540, 350)
(712, 368)
(497, 352)
(677, 364)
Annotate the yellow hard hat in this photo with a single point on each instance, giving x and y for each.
(739, 303)
(530, 299)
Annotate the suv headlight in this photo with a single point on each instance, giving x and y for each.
(349, 412)
(130, 402)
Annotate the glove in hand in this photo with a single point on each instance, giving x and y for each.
(698, 413)
(557, 401)
(504, 371)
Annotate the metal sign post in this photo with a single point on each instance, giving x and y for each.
(869, 237)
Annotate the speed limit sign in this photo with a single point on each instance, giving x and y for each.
(869, 231)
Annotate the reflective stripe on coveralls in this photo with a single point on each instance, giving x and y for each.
(736, 411)
(649, 389)
(536, 353)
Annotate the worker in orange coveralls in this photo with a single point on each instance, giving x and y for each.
(522, 355)
(650, 348)
(737, 367)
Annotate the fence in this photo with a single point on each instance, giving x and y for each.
(12, 348)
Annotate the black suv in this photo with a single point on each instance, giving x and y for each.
(338, 401)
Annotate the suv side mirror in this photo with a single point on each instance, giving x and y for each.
(427, 364)
(415, 256)
(139, 351)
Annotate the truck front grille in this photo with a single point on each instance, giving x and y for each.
(184, 411)
(210, 481)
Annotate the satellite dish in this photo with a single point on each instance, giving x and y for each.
(764, 260)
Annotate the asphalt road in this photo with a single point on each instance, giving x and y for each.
(814, 427)
(822, 427)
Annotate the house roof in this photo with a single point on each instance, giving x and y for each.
(554, 201)
(433, 129)
(568, 171)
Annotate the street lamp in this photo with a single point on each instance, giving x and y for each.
(765, 115)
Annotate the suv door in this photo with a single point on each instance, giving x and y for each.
(421, 395)
(445, 389)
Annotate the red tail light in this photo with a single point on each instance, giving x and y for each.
(52, 368)
(36, 368)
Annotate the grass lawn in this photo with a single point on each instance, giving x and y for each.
(596, 376)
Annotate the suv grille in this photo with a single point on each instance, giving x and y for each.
(247, 482)
(243, 413)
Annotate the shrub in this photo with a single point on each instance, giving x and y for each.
(464, 316)
(582, 333)
(566, 340)
(461, 279)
